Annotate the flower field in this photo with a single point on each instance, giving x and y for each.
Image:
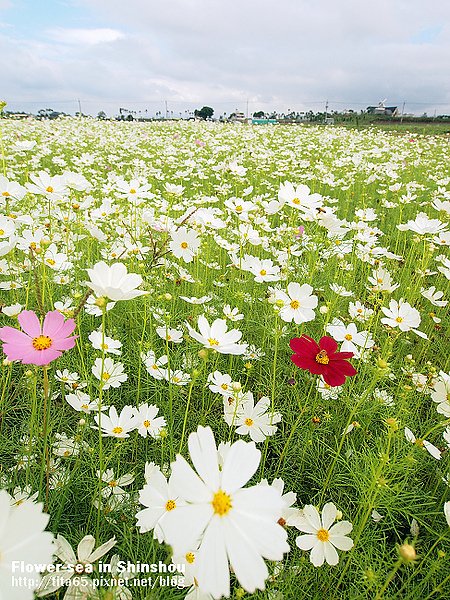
(225, 362)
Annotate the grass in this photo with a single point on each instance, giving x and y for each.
(371, 467)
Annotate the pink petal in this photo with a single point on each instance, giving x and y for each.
(14, 352)
(14, 336)
(41, 357)
(53, 322)
(30, 323)
(64, 343)
(65, 330)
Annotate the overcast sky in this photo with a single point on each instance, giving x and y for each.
(289, 54)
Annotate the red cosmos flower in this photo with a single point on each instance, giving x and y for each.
(322, 359)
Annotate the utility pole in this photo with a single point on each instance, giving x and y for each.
(79, 107)
(326, 110)
(167, 111)
(403, 110)
(247, 108)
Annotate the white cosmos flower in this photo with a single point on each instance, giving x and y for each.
(110, 373)
(220, 383)
(231, 314)
(104, 343)
(86, 555)
(300, 197)
(235, 526)
(433, 296)
(298, 304)
(216, 336)
(159, 498)
(381, 281)
(171, 335)
(82, 402)
(256, 420)
(422, 224)
(402, 315)
(22, 538)
(322, 537)
(155, 367)
(435, 452)
(440, 393)
(113, 484)
(353, 341)
(359, 312)
(147, 422)
(114, 282)
(194, 300)
(184, 244)
(115, 425)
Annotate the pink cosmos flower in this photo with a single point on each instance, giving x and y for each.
(36, 344)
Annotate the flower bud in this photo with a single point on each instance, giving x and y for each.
(407, 553)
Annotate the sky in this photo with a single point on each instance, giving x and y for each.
(178, 55)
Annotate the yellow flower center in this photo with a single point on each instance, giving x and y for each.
(224, 386)
(348, 337)
(190, 557)
(295, 304)
(249, 422)
(221, 503)
(42, 342)
(112, 483)
(106, 376)
(323, 535)
(184, 245)
(104, 346)
(322, 357)
(213, 342)
(238, 209)
(117, 430)
(49, 189)
(170, 505)
(6, 194)
(399, 319)
(296, 201)
(263, 272)
(84, 406)
(50, 261)
(146, 423)
(419, 443)
(132, 191)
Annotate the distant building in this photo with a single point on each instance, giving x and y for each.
(237, 117)
(382, 109)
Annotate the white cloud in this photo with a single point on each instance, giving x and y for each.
(84, 36)
(295, 54)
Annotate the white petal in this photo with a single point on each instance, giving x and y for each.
(203, 451)
(248, 565)
(213, 573)
(240, 465)
(331, 556)
(306, 542)
(329, 513)
(184, 526)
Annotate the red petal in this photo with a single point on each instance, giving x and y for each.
(328, 344)
(305, 362)
(341, 356)
(334, 377)
(304, 345)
